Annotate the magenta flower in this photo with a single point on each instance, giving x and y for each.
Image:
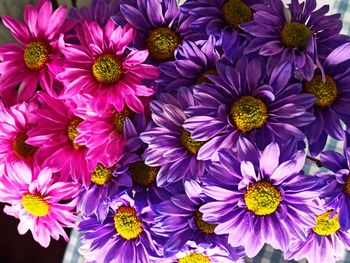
(35, 199)
(55, 135)
(30, 62)
(102, 69)
(14, 125)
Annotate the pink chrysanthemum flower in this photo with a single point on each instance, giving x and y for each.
(14, 125)
(55, 135)
(103, 135)
(35, 199)
(28, 64)
(104, 69)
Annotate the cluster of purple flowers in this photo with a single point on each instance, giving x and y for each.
(186, 127)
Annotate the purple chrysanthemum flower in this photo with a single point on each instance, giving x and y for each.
(100, 11)
(325, 242)
(292, 35)
(189, 224)
(194, 252)
(336, 185)
(125, 235)
(161, 27)
(244, 102)
(132, 164)
(192, 63)
(260, 196)
(222, 19)
(330, 85)
(170, 146)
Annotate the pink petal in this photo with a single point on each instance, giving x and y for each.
(56, 21)
(18, 29)
(31, 18)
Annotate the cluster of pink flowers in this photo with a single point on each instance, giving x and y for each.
(60, 112)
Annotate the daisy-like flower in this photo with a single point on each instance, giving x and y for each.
(55, 137)
(203, 253)
(15, 122)
(325, 242)
(161, 27)
(244, 102)
(34, 197)
(336, 184)
(170, 146)
(189, 226)
(260, 197)
(294, 35)
(192, 63)
(125, 235)
(331, 88)
(28, 64)
(102, 68)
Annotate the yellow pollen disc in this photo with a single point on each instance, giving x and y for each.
(295, 35)
(143, 174)
(118, 118)
(326, 226)
(72, 131)
(22, 150)
(194, 258)
(203, 78)
(102, 175)
(162, 43)
(127, 224)
(36, 55)
(325, 92)
(346, 187)
(262, 198)
(202, 225)
(236, 12)
(35, 204)
(188, 143)
(107, 69)
(248, 113)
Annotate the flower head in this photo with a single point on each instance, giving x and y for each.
(259, 196)
(125, 235)
(245, 102)
(30, 62)
(170, 146)
(102, 69)
(55, 137)
(294, 38)
(35, 198)
(15, 122)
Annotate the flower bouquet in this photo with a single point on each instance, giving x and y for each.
(178, 133)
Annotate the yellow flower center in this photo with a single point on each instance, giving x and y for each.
(194, 258)
(143, 174)
(325, 92)
(262, 198)
(102, 175)
(248, 113)
(22, 150)
(188, 143)
(72, 131)
(118, 118)
(326, 226)
(295, 35)
(36, 54)
(162, 43)
(236, 12)
(126, 222)
(35, 204)
(202, 225)
(107, 69)
(203, 78)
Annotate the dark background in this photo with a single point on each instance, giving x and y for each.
(15, 248)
